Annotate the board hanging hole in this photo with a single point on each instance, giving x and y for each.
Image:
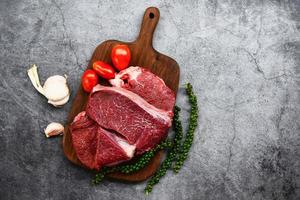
(151, 15)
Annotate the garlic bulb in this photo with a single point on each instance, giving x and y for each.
(54, 129)
(55, 88)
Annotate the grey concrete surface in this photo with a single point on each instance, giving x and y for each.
(242, 57)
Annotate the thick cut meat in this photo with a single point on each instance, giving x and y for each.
(147, 85)
(96, 147)
(130, 115)
(85, 140)
(119, 121)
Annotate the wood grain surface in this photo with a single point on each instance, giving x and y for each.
(144, 55)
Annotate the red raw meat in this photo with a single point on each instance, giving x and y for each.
(147, 85)
(96, 147)
(131, 117)
(126, 113)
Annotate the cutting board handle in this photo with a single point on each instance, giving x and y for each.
(150, 20)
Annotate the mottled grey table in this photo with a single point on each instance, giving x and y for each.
(243, 60)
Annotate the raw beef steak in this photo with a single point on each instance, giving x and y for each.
(96, 147)
(84, 139)
(126, 113)
(147, 85)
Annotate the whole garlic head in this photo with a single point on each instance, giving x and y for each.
(55, 88)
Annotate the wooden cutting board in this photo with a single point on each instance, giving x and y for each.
(142, 54)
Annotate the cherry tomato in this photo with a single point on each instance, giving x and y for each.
(89, 80)
(104, 70)
(120, 56)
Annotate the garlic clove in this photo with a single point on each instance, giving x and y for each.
(59, 102)
(56, 88)
(54, 129)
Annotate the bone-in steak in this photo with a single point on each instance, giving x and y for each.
(147, 85)
(124, 120)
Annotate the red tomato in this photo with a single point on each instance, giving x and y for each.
(104, 70)
(120, 56)
(89, 80)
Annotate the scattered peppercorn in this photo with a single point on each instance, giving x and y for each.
(191, 129)
(167, 163)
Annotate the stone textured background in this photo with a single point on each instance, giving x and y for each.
(243, 58)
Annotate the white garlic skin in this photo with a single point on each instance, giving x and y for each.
(60, 102)
(54, 129)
